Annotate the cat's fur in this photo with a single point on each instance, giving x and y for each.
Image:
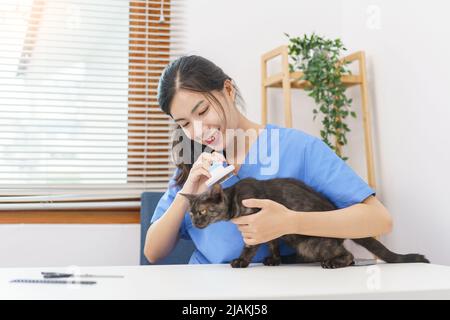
(217, 204)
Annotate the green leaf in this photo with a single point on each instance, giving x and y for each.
(318, 58)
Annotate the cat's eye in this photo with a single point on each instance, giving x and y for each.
(202, 211)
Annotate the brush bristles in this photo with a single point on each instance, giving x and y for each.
(223, 179)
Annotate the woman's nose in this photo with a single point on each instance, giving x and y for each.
(198, 130)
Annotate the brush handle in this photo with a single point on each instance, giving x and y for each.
(219, 173)
(215, 165)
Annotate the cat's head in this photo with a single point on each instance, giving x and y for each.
(208, 207)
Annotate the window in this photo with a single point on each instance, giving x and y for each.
(80, 126)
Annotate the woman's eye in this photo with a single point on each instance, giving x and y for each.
(204, 111)
(185, 124)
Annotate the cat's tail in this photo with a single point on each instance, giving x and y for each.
(378, 249)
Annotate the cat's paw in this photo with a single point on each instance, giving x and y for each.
(327, 264)
(334, 264)
(239, 263)
(272, 261)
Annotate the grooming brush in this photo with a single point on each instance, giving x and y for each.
(219, 173)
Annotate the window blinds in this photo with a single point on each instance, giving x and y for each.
(80, 125)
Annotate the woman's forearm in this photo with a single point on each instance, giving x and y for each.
(357, 221)
(162, 235)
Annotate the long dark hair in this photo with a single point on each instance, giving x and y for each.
(197, 74)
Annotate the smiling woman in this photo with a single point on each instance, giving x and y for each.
(80, 126)
(203, 100)
(204, 104)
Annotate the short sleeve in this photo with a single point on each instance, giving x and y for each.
(328, 174)
(165, 202)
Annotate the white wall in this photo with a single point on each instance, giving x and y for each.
(409, 80)
(410, 77)
(69, 245)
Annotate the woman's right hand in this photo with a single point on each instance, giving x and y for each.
(195, 183)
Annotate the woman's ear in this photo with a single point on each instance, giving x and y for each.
(229, 89)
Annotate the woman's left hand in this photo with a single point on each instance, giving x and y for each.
(270, 223)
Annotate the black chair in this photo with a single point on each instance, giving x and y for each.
(184, 248)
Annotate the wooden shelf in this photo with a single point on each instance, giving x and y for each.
(286, 81)
(276, 81)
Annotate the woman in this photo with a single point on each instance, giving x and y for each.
(204, 102)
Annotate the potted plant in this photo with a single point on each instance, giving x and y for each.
(319, 60)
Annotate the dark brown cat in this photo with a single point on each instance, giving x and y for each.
(218, 204)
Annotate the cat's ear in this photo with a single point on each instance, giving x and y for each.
(188, 196)
(217, 192)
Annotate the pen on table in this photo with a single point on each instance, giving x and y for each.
(47, 281)
(53, 275)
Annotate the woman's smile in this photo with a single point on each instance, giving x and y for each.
(212, 137)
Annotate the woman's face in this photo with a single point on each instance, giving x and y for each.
(202, 120)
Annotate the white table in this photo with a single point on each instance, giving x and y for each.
(382, 281)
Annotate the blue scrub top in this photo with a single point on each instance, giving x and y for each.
(277, 153)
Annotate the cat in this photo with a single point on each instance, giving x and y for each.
(217, 204)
